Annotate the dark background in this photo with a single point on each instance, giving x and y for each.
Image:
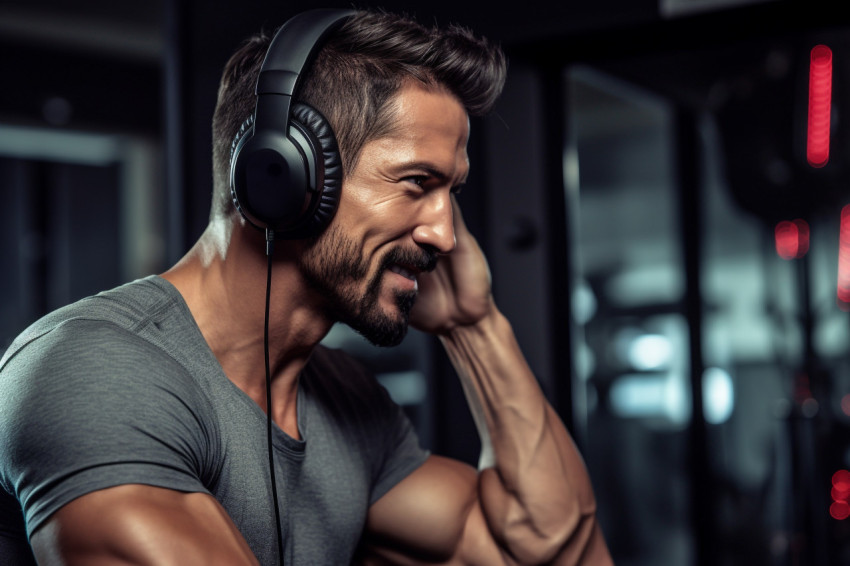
(626, 191)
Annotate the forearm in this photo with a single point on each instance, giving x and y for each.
(534, 487)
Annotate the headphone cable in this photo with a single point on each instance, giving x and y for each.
(269, 250)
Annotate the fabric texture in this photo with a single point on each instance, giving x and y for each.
(122, 388)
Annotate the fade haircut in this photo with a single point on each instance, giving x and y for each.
(353, 80)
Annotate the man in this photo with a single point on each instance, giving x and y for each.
(133, 421)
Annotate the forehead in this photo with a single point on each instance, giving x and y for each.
(430, 125)
(430, 109)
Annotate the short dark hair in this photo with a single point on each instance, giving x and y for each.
(354, 78)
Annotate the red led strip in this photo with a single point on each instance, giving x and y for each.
(820, 100)
(792, 238)
(840, 492)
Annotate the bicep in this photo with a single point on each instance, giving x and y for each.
(140, 525)
(431, 517)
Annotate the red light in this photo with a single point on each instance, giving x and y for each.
(844, 260)
(820, 100)
(841, 479)
(792, 239)
(839, 510)
(839, 494)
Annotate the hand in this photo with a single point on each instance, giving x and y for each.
(457, 292)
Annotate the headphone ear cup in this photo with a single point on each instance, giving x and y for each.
(329, 170)
(235, 147)
(318, 144)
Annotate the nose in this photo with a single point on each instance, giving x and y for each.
(436, 223)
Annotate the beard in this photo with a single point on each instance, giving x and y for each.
(333, 264)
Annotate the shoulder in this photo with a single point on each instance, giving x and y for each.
(337, 364)
(348, 394)
(91, 398)
(84, 374)
(349, 397)
(85, 353)
(335, 377)
(79, 375)
(88, 405)
(115, 336)
(128, 307)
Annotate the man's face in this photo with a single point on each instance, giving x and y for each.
(394, 217)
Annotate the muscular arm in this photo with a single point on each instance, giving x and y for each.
(534, 490)
(531, 502)
(141, 525)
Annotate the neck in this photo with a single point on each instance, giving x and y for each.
(223, 281)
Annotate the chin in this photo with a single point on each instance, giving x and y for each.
(387, 329)
(385, 335)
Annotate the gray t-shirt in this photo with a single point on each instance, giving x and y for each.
(122, 388)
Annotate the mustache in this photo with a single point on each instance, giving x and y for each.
(422, 259)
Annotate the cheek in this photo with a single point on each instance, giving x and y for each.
(354, 197)
(373, 218)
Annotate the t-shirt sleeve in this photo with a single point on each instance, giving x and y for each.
(402, 453)
(89, 406)
(372, 420)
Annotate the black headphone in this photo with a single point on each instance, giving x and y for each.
(285, 168)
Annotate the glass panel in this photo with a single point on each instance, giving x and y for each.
(775, 340)
(633, 350)
(774, 446)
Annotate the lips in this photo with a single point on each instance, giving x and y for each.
(404, 272)
(409, 263)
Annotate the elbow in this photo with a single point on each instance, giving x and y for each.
(546, 528)
(562, 542)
